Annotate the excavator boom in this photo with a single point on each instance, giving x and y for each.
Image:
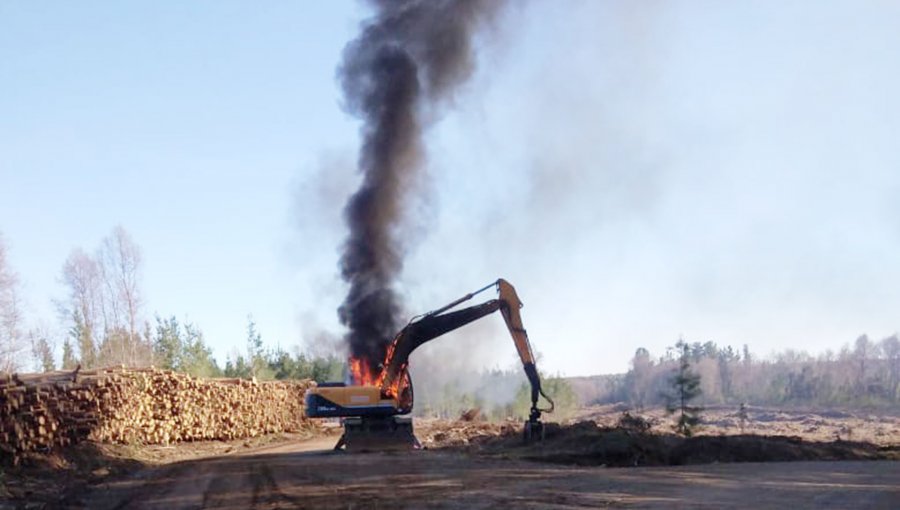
(421, 331)
(441, 321)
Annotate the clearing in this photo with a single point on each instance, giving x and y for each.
(471, 464)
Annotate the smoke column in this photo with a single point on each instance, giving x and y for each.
(410, 55)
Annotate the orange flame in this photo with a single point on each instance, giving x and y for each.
(394, 390)
(362, 375)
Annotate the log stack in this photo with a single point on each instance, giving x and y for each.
(140, 406)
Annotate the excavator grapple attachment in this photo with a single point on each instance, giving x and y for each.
(533, 432)
(534, 427)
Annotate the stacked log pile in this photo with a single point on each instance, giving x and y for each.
(143, 406)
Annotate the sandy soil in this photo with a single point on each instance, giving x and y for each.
(307, 474)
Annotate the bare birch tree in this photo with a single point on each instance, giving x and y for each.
(105, 302)
(890, 346)
(861, 353)
(641, 370)
(81, 274)
(120, 262)
(11, 342)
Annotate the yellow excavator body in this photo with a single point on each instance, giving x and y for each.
(337, 399)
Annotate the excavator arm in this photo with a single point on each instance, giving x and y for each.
(510, 309)
(441, 321)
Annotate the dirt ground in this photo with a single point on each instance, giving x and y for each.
(44, 479)
(472, 464)
(308, 475)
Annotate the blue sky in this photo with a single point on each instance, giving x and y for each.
(639, 170)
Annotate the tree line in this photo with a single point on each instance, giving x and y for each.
(181, 347)
(102, 316)
(864, 374)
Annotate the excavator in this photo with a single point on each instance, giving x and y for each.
(373, 413)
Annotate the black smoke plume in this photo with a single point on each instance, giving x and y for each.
(410, 55)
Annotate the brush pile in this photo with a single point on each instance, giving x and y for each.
(437, 433)
(141, 406)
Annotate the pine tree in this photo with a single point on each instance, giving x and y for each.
(69, 362)
(686, 386)
(196, 356)
(167, 346)
(42, 351)
(84, 337)
(259, 365)
(237, 368)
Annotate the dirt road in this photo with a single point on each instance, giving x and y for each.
(308, 475)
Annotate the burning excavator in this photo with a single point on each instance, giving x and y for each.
(372, 410)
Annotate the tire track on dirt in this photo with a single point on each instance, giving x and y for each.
(291, 476)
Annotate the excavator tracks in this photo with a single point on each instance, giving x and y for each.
(377, 433)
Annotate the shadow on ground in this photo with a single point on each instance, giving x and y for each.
(43, 479)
